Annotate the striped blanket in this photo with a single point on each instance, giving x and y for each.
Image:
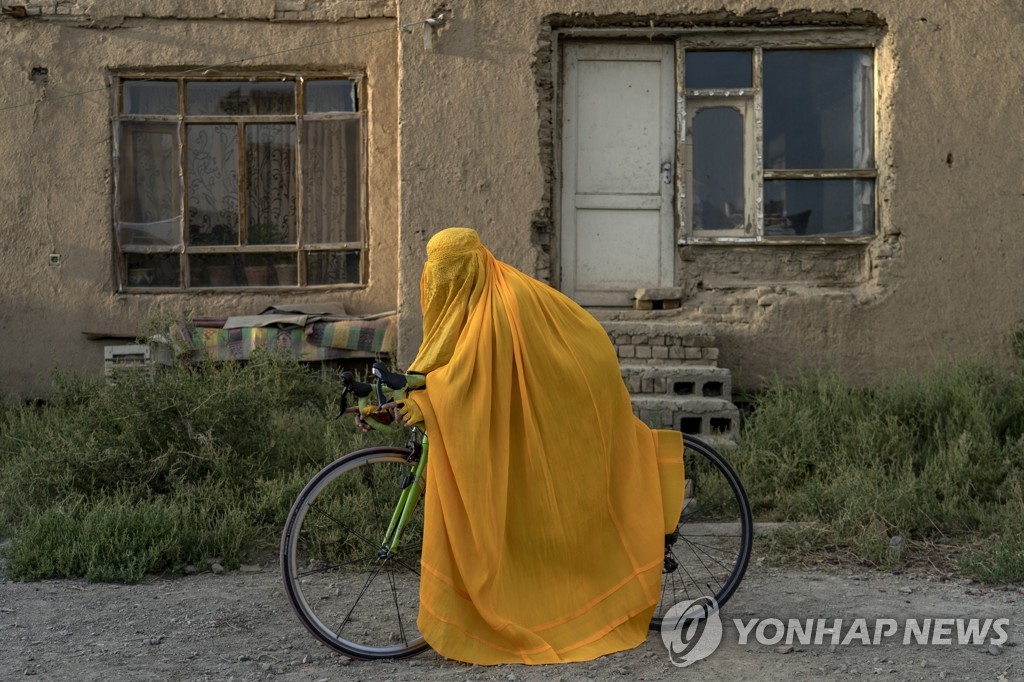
(317, 340)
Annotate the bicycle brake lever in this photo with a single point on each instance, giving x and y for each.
(342, 403)
(384, 377)
(381, 400)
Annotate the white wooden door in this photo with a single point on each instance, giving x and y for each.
(618, 150)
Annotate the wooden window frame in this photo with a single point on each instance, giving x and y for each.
(180, 121)
(757, 41)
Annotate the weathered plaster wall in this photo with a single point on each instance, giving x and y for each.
(941, 279)
(55, 182)
(463, 134)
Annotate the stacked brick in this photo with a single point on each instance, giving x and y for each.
(672, 373)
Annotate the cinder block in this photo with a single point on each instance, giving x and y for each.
(118, 361)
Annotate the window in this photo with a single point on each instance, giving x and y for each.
(779, 143)
(229, 181)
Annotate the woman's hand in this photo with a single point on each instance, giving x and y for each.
(371, 412)
(405, 412)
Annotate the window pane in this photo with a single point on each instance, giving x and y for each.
(153, 269)
(233, 98)
(819, 207)
(718, 192)
(330, 95)
(325, 267)
(216, 270)
(270, 164)
(148, 184)
(212, 183)
(719, 69)
(149, 97)
(331, 180)
(818, 109)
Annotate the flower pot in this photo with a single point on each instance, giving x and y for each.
(257, 275)
(286, 274)
(221, 275)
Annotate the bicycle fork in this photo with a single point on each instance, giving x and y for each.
(412, 490)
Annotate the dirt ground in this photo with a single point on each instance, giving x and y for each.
(239, 626)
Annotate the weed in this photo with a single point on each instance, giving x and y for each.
(925, 458)
(112, 482)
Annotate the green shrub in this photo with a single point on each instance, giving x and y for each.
(205, 461)
(925, 458)
(111, 482)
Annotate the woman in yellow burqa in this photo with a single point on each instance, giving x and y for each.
(544, 512)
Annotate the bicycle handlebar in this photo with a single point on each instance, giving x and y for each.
(392, 380)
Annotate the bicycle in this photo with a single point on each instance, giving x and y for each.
(350, 550)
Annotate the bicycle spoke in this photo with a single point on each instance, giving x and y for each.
(405, 565)
(344, 526)
(724, 550)
(369, 579)
(398, 611)
(351, 593)
(328, 568)
(706, 569)
(694, 582)
(710, 557)
(375, 505)
(714, 561)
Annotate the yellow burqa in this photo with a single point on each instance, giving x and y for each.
(544, 518)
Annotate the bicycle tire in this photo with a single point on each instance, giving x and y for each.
(708, 553)
(346, 589)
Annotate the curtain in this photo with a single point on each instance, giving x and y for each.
(148, 184)
(270, 166)
(212, 177)
(330, 177)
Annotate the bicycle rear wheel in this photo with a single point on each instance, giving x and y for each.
(707, 554)
(347, 589)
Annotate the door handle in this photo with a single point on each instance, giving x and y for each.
(666, 172)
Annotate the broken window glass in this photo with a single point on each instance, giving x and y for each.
(330, 95)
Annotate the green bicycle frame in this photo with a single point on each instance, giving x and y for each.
(412, 486)
(407, 501)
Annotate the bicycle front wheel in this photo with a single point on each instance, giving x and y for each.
(347, 588)
(707, 554)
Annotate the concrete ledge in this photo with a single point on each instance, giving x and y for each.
(678, 380)
(699, 416)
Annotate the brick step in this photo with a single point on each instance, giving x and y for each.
(705, 381)
(705, 417)
(652, 342)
